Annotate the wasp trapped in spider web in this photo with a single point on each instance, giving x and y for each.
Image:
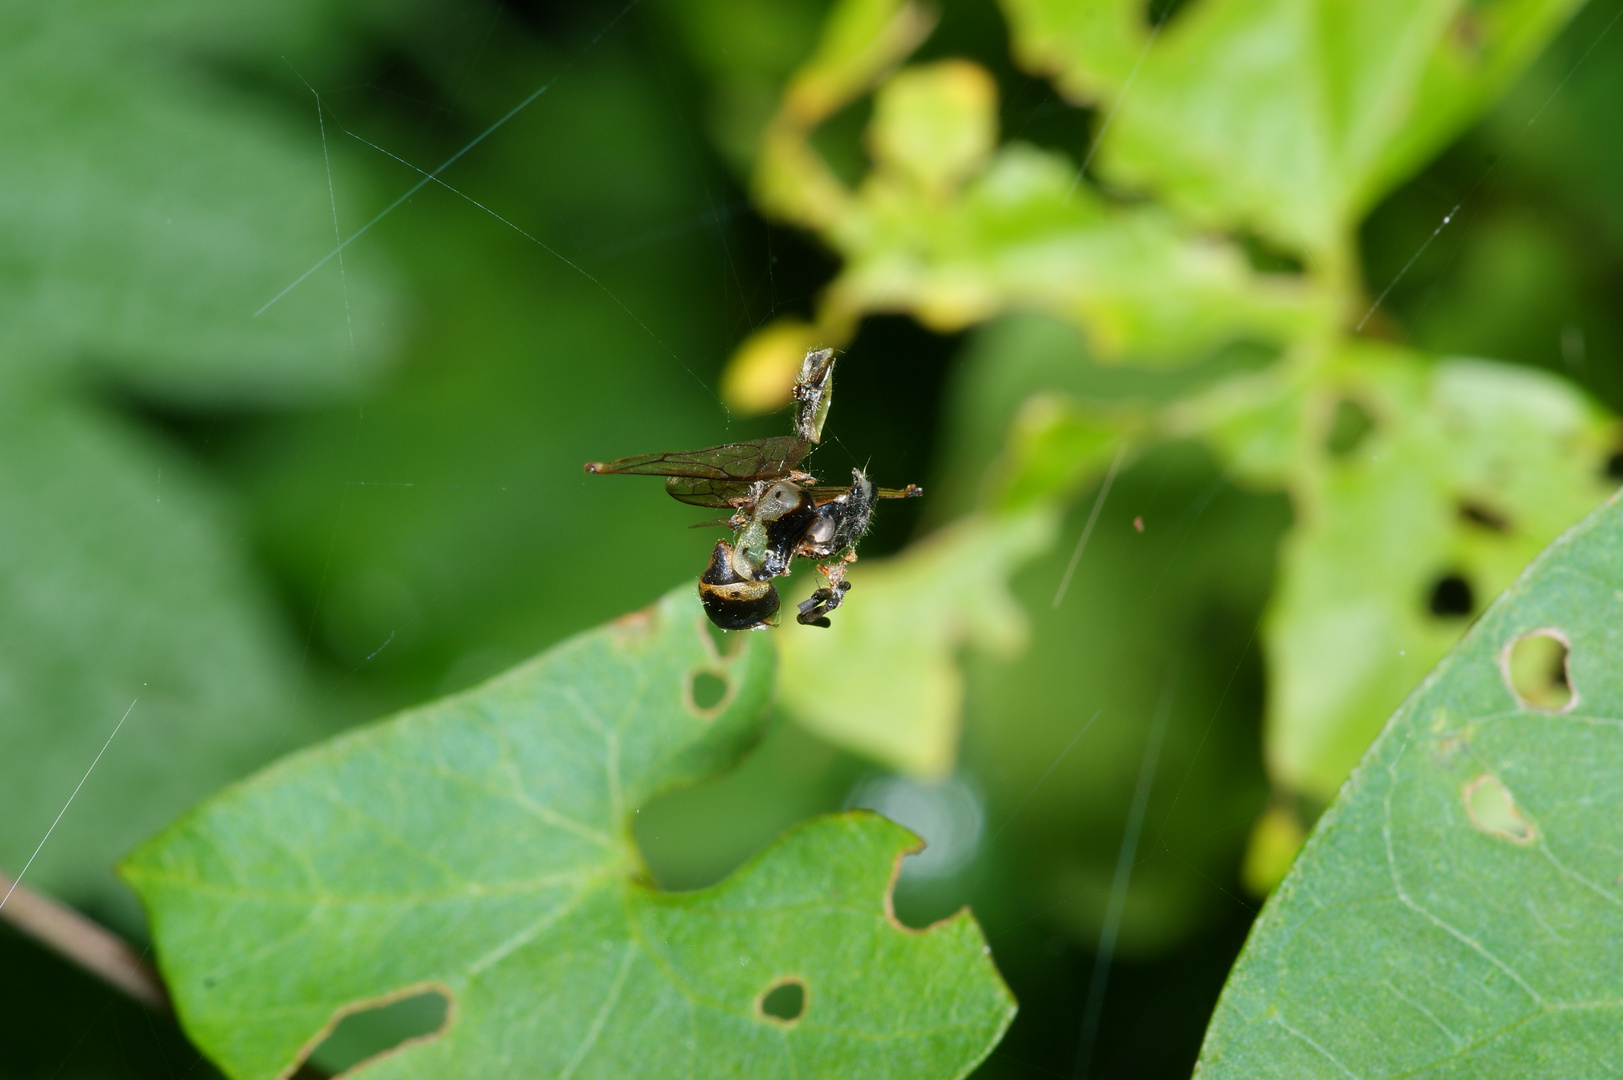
(779, 512)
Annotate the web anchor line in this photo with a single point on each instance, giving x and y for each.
(332, 196)
(19, 879)
(1115, 107)
(1093, 518)
(1093, 1007)
(1483, 179)
(446, 164)
(1379, 300)
(549, 249)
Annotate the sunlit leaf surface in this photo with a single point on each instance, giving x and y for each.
(1457, 911)
(481, 846)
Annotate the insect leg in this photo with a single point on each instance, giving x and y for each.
(815, 608)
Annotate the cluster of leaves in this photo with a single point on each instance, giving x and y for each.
(1238, 148)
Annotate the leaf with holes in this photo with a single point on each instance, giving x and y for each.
(481, 846)
(1458, 912)
(1406, 531)
(1016, 236)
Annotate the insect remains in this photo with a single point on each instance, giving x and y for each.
(779, 512)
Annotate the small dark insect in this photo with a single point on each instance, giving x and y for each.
(778, 511)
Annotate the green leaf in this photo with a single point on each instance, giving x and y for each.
(1457, 910)
(945, 230)
(1088, 50)
(1033, 414)
(1293, 117)
(892, 652)
(935, 124)
(481, 845)
(860, 41)
(1470, 468)
(1256, 422)
(1054, 446)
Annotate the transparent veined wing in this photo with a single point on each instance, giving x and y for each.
(753, 459)
(716, 475)
(699, 491)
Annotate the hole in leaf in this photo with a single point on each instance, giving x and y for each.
(372, 1030)
(1451, 597)
(1474, 513)
(784, 1001)
(707, 692)
(1535, 667)
(1349, 427)
(1494, 811)
(1614, 467)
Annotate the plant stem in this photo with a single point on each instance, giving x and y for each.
(85, 942)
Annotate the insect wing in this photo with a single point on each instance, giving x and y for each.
(754, 459)
(717, 476)
(699, 491)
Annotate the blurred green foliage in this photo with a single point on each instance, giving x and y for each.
(149, 208)
(342, 531)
